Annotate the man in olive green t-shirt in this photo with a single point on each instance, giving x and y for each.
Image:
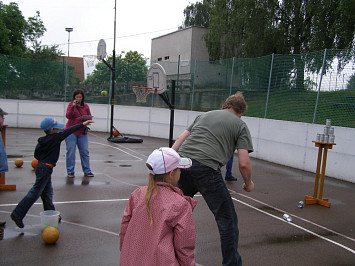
(210, 142)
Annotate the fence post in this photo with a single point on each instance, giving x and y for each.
(193, 86)
(231, 83)
(268, 87)
(178, 73)
(320, 82)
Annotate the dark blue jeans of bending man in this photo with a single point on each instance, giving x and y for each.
(42, 188)
(209, 182)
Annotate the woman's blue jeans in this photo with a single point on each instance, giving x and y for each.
(42, 188)
(209, 182)
(229, 167)
(82, 141)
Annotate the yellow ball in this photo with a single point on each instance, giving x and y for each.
(50, 235)
(103, 93)
(18, 162)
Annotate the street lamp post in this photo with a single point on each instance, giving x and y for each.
(69, 30)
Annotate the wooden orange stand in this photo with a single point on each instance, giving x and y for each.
(2, 178)
(318, 197)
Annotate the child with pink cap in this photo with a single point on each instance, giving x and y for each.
(157, 227)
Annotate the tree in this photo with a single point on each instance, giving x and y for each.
(254, 28)
(198, 14)
(40, 70)
(131, 67)
(16, 31)
(37, 51)
(351, 83)
(24, 63)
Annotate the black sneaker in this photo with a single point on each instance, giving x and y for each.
(2, 223)
(230, 178)
(17, 221)
(70, 175)
(89, 175)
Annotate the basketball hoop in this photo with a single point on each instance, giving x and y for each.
(156, 83)
(142, 93)
(90, 60)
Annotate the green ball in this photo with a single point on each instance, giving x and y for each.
(103, 93)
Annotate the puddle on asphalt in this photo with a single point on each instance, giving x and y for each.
(85, 182)
(296, 238)
(266, 208)
(289, 239)
(121, 165)
(15, 232)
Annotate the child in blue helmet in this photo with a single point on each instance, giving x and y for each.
(47, 153)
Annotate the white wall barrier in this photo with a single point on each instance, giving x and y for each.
(281, 142)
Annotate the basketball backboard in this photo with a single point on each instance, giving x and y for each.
(101, 49)
(156, 78)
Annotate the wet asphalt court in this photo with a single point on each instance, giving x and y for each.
(92, 209)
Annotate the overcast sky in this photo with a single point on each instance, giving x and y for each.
(137, 22)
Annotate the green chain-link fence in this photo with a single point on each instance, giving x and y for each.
(306, 88)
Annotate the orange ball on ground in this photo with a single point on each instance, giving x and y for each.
(34, 163)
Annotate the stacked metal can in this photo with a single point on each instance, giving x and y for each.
(328, 134)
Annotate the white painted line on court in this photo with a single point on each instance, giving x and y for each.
(244, 203)
(113, 147)
(115, 160)
(67, 222)
(69, 202)
(293, 215)
(119, 181)
(78, 160)
(92, 228)
(118, 144)
(295, 225)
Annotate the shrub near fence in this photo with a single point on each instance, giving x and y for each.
(306, 88)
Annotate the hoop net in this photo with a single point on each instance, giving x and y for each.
(142, 93)
(90, 60)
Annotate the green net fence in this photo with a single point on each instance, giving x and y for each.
(307, 88)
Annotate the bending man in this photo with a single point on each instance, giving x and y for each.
(210, 142)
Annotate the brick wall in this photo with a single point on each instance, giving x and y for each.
(78, 64)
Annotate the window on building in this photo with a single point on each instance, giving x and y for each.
(166, 57)
(159, 59)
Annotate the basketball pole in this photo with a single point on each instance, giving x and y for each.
(113, 76)
(172, 107)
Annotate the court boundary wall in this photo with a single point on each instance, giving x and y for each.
(282, 142)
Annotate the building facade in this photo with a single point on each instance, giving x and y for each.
(187, 43)
(195, 70)
(78, 64)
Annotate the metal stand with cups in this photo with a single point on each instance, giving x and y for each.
(324, 142)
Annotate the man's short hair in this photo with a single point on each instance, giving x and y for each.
(236, 102)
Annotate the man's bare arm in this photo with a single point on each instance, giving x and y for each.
(245, 169)
(180, 139)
